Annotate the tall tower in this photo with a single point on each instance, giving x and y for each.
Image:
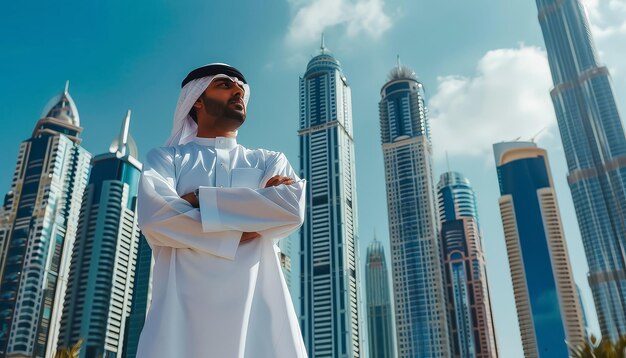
(41, 216)
(470, 320)
(379, 315)
(595, 149)
(421, 329)
(142, 296)
(102, 271)
(548, 308)
(329, 293)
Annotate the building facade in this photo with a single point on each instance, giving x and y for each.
(329, 296)
(470, 320)
(102, 271)
(421, 329)
(595, 148)
(40, 220)
(548, 307)
(142, 296)
(378, 301)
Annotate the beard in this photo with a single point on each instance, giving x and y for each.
(222, 111)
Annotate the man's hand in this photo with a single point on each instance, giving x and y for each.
(247, 236)
(192, 199)
(276, 180)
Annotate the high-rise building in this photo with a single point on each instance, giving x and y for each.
(40, 220)
(548, 308)
(142, 296)
(421, 329)
(595, 149)
(329, 296)
(378, 301)
(470, 320)
(102, 271)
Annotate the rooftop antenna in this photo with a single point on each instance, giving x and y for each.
(398, 61)
(447, 162)
(532, 139)
(323, 46)
(67, 87)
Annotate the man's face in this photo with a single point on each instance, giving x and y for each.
(223, 99)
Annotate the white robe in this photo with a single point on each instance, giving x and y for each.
(211, 296)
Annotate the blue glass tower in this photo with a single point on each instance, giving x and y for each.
(329, 302)
(142, 295)
(379, 315)
(470, 321)
(102, 271)
(547, 303)
(421, 329)
(595, 149)
(41, 217)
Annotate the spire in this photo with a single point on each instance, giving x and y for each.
(323, 46)
(62, 107)
(124, 145)
(398, 62)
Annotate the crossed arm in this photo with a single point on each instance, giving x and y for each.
(169, 220)
(276, 180)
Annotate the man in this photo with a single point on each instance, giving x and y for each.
(212, 211)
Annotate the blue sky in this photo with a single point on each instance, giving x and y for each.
(482, 64)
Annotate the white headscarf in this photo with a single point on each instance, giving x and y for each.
(185, 129)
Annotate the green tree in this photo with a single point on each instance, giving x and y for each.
(601, 348)
(69, 352)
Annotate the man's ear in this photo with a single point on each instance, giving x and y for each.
(198, 103)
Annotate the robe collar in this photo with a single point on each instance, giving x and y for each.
(218, 143)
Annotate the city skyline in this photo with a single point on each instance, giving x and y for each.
(105, 84)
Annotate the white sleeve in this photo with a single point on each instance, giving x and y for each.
(273, 212)
(168, 220)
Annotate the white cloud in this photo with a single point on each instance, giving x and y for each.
(507, 98)
(355, 16)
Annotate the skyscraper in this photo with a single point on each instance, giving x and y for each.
(421, 329)
(329, 300)
(595, 149)
(142, 295)
(379, 315)
(548, 308)
(470, 320)
(99, 290)
(41, 217)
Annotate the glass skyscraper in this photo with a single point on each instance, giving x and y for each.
(40, 220)
(329, 296)
(470, 321)
(379, 315)
(102, 271)
(421, 329)
(595, 149)
(548, 307)
(142, 296)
